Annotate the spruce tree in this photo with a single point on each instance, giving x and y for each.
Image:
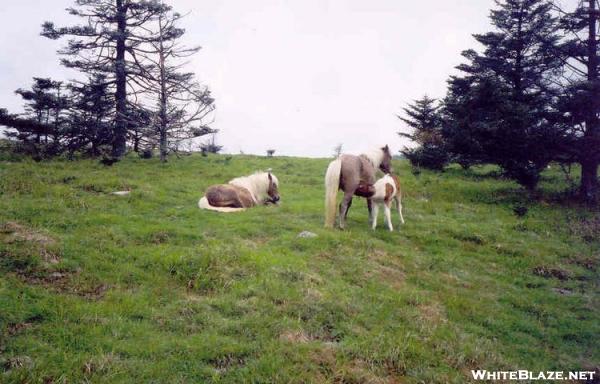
(182, 103)
(424, 120)
(107, 44)
(515, 129)
(91, 116)
(580, 103)
(41, 130)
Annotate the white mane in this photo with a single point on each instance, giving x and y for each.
(376, 156)
(257, 184)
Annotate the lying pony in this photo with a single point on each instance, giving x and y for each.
(387, 189)
(241, 193)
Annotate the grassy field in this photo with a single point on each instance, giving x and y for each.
(148, 288)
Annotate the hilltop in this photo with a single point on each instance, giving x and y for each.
(147, 287)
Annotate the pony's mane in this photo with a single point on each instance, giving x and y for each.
(375, 155)
(257, 184)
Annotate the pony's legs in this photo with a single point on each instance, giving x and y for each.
(344, 206)
(348, 209)
(374, 220)
(230, 202)
(399, 207)
(370, 207)
(388, 216)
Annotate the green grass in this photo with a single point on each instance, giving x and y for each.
(148, 288)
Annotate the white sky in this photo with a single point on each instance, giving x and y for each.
(299, 76)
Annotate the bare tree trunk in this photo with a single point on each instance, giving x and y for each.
(163, 98)
(136, 142)
(120, 130)
(589, 164)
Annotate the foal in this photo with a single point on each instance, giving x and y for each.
(355, 175)
(387, 189)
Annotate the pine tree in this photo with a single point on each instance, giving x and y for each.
(91, 116)
(515, 129)
(41, 130)
(183, 104)
(107, 44)
(423, 118)
(581, 100)
(470, 113)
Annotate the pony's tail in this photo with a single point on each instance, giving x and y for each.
(332, 184)
(204, 204)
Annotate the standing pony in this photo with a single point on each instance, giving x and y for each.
(353, 175)
(241, 193)
(387, 190)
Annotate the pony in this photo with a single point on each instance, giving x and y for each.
(241, 193)
(353, 175)
(387, 190)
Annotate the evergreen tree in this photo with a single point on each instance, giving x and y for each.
(183, 104)
(471, 109)
(107, 44)
(515, 128)
(211, 146)
(424, 119)
(41, 130)
(580, 103)
(91, 116)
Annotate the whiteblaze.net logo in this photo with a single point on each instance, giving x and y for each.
(482, 374)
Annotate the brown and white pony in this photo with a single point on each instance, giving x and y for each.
(387, 190)
(241, 193)
(353, 175)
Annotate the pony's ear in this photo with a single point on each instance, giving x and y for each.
(386, 148)
(270, 177)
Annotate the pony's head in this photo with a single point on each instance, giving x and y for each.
(273, 189)
(263, 186)
(386, 160)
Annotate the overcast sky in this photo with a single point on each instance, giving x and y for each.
(298, 76)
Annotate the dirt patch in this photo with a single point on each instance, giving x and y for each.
(386, 268)
(325, 359)
(590, 263)
(358, 371)
(433, 313)
(391, 275)
(160, 237)
(313, 294)
(12, 232)
(255, 243)
(586, 228)
(16, 328)
(300, 337)
(345, 372)
(226, 362)
(551, 272)
(326, 336)
(472, 238)
(100, 365)
(67, 282)
(563, 291)
(16, 362)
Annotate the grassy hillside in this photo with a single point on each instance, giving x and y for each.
(148, 288)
